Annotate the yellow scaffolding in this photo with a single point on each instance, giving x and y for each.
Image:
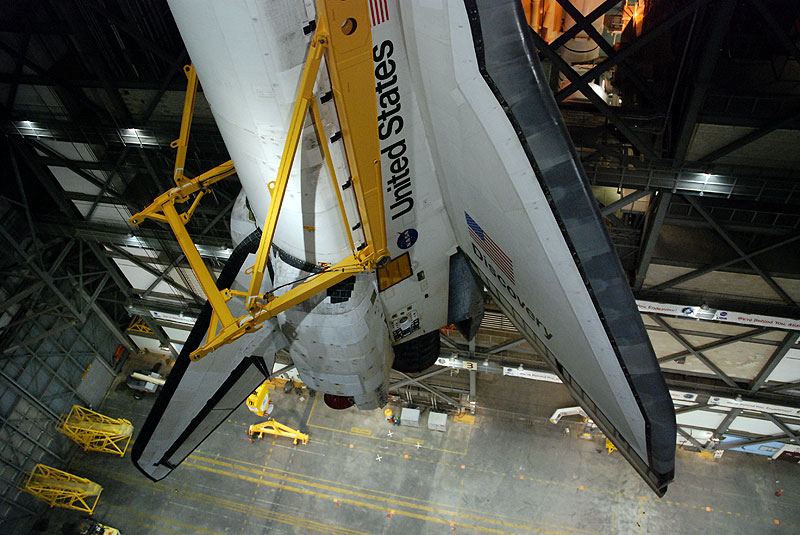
(271, 427)
(96, 432)
(61, 489)
(343, 37)
(138, 325)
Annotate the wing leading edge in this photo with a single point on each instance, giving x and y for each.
(524, 215)
(200, 395)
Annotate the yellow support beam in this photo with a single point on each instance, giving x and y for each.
(271, 427)
(96, 432)
(351, 69)
(343, 37)
(61, 489)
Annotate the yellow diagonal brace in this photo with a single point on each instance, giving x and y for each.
(215, 297)
(182, 143)
(304, 96)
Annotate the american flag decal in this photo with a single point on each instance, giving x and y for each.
(379, 10)
(489, 247)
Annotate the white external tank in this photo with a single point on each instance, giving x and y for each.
(250, 79)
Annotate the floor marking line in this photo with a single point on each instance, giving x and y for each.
(383, 508)
(426, 502)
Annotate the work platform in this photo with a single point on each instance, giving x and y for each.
(511, 472)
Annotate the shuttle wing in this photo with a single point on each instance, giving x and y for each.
(200, 395)
(524, 215)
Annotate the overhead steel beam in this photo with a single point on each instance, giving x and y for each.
(448, 342)
(719, 18)
(401, 384)
(691, 439)
(503, 346)
(691, 408)
(72, 90)
(150, 269)
(732, 243)
(712, 345)
(778, 31)
(658, 214)
(630, 49)
(716, 181)
(777, 356)
(623, 202)
(753, 442)
(598, 12)
(433, 391)
(781, 386)
(163, 275)
(747, 139)
(163, 339)
(722, 428)
(721, 265)
(605, 46)
(782, 426)
(702, 358)
(60, 161)
(582, 85)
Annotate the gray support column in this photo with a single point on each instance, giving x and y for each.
(657, 217)
(788, 342)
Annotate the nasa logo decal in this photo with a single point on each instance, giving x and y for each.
(407, 238)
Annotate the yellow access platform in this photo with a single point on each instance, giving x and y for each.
(61, 489)
(271, 427)
(96, 432)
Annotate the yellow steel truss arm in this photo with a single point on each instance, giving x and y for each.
(343, 37)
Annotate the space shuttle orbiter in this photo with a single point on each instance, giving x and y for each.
(477, 185)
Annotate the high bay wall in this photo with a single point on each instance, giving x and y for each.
(691, 146)
(58, 341)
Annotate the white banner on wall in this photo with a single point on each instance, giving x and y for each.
(727, 316)
(754, 406)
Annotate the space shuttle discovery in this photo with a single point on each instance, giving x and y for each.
(477, 186)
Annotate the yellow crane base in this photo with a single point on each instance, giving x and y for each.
(96, 432)
(271, 427)
(61, 489)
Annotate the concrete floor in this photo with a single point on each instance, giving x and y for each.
(360, 475)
